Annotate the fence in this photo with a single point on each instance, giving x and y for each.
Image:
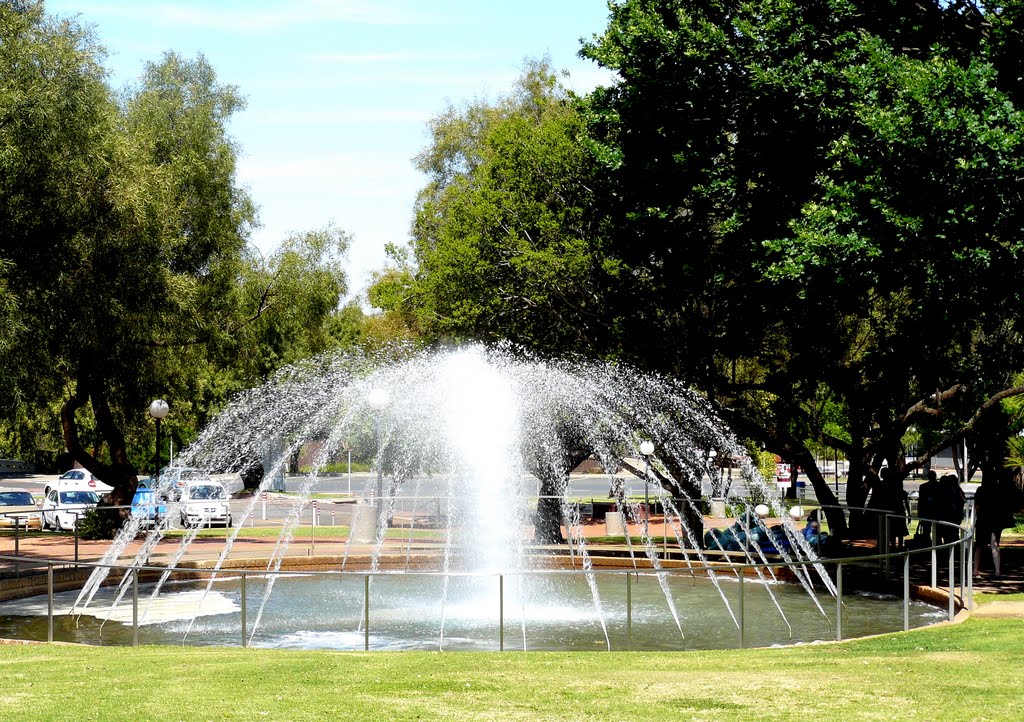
(885, 562)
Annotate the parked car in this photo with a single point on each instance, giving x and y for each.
(82, 479)
(18, 507)
(174, 479)
(205, 503)
(62, 508)
(148, 505)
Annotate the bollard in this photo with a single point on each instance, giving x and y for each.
(839, 602)
(501, 612)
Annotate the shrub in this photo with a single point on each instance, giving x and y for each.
(99, 523)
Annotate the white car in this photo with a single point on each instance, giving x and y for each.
(18, 507)
(79, 479)
(62, 508)
(205, 503)
(174, 479)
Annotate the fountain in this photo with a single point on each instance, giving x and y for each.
(497, 433)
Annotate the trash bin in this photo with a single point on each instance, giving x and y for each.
(614, 524)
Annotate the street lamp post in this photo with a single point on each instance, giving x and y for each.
(378, 399)
(158, 410)
(647, 448)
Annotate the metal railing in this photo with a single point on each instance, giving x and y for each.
(885, 558)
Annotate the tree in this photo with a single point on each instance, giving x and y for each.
(505, 242)
(122, 231)
(292, 298)
(820, 204)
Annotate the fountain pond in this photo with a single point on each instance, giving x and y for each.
(499, 432)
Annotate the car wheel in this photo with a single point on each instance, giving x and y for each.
(227, 524)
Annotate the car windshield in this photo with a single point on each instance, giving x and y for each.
(206, 491)
(16, 498)
(79, 497)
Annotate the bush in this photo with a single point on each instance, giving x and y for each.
(99, 523)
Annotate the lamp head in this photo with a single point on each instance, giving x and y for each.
(158, 409)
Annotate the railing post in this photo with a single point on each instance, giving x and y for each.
(963, 570)
(49, 601)
(245, 632)
(935, 556)
(501, 612)
(75, 532)
(17, 562)
(884, 548)
(839, 602)
(741, 575)
(629, 610)
(952, 587)
(135, 607)
(970, 572)
(906, 592)
(366, 613)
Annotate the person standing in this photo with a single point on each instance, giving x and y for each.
(951, 508)
(993, 513)
(890, 497)
(928, 505)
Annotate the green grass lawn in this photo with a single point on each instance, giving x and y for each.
(984, 598)
(966, 671)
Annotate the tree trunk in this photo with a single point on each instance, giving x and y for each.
(120, 473)
(833, 513)
(547, 525)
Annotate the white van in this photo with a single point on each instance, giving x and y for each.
(204, 502)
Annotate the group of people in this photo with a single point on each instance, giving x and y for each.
(940, 499)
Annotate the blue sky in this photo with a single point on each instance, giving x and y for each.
(339, 91)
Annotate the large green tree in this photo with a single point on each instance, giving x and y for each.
(506, 240)
(824, 197)
(122, 240)
(808, 210)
